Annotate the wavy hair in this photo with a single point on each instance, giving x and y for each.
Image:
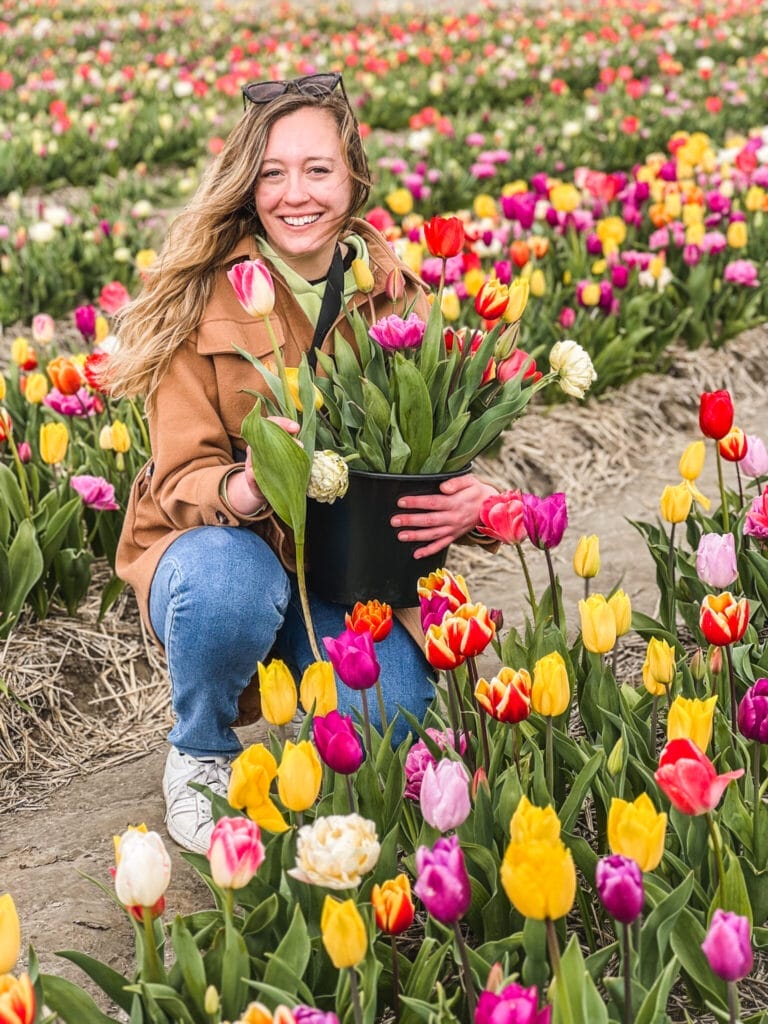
(178, 285)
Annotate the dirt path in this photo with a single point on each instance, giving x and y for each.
(612, 458)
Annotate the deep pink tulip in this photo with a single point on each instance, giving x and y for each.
(716, 560)
(337, 742)
(619, 882)
(420, 757)
(433, 608)
(311, 1015)
(85, 321)
(545, 519)
(393, 333)
(80, 405)
(235, 852)
(352, 656)
(689, 779)
(728, 946)
(444, 796)
(753, 712)
(756, 522)
(512, 1005)
(443, 883)
(24, 450)
(501, 517)
(95, 491)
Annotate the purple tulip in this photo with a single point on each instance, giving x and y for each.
(80, 405)
(337, 742)
(443, 883)
(444, 795)
(512, 1005)
(545, 519)
(619, 883)
(727, 946)
(393, 333)
(311, 1015)
(353, 658)
(716, 560)
(755, 462)
(420, 757)
(85, 321)
(433, 608)
(753, 712)
(95, 491)
(520, 206)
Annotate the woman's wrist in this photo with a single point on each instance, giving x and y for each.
(240, 498)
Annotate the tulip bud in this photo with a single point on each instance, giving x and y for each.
(675, 503)
(278, 692)
(54, 441)
(299, 776)
(24, 451)
(619, 882)
(518, 299)
(698, 665)
(495, 978)
(615, 761)
(715, 660)
(318, 688)
(692, 460)
(496, 615)
(728, 947)
(479, 781)
(586, 557)
(395, 285)
(362, 275)
(450, 306)
(550, 693)
(211, 1001)
(715, 414)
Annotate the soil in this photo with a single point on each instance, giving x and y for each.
(612, 457)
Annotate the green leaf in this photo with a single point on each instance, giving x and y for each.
(190, 963)
(577, 1000)
(110, 594)
(70, 1002)
(56, 528)
(652, 1009)
(108, 980)
(286, 966)
(414, 411)
(10, 493)
(25, 566)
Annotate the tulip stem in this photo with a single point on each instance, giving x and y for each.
(301, 579)
(453, 711)
(473, 677)
(153, 971)
(355, 995)
(672, 607)
(351, 795)
(367, 725)
(287, 396)
(718, 853)
(382, 709)
(733, 1002)
(549, 759)
(528, 582)
(395, 980)
(553, 948)
(553, 588)
(21, 473)
(741, 487)
(516, 750)
(627, 965)
(756, 800)
(654, 724)
(732, 685)
(464, 721)
(466, 971)
(721, 485)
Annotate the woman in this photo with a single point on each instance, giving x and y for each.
(209, 562)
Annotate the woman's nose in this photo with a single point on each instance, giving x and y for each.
(295, 188)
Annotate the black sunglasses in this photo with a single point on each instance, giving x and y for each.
(308, 85)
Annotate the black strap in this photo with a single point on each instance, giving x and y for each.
(331, 304)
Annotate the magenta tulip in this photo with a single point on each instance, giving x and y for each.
(753, 712)
(433, 608)
(716, 560)
(393, 333)
(337, 742)
(756, 522)
(513, 1004)
(235, 852)
(353, 657)
(85, 321)
(443, 883)
(311, 1015)
(728, 946)
(545, 519)
(619, 882)
(444, 795)
(95, 491)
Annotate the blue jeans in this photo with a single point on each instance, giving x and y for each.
(221, 602)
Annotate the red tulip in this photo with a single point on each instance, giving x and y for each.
(444, 236)
(689, 779)
(723, 619)
(715, 414)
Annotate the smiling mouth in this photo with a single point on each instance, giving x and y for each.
(300, 222)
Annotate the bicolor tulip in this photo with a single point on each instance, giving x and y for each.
(501, 517)
(598, 624)
(337, 742)
(728, 945)
(586, 557)
(691, 719)
(143, 869)
(545, 519)
(318, 688)
(507, 697)
(689, 780)
(733, 447)
(17, 1000)
(531, 824)
(249, 787)
(675, 502)
(299, 776)
(392, 905)
(492, 299)
(723, 619)
(10, 934)
(444, 583)
(235, 853)
(54, 441)
(621, 607)
(692, 460)
(443, 883)
(511, 1004)
(23, 355)
(619, 883)
(716, 560)
(353, 657)
(278, 692)
(636, 829)
(753, 712)
(469, 629)
(444, 799)
(372, 617)
(659, 667)
(343, 932)
(551, 692)
(715, 414)
(440, 650)
(444, 236)
(253, 287)
(539, 879)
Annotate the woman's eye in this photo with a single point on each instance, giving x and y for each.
(270, 174)
(320, 170)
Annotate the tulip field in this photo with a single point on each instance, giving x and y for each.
(558, 841)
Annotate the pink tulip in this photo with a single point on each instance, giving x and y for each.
(445, 795)
(755, 462)
(545, 519)
(235, 852)
(501, 517)
(43, 328)
(716, 560)
(393, 333)
(253, 287)
(113, 296)
(420, 757)
(728, 946)
(337, 742)
(95, 491)
(353, 658)
(689, 779)
(756, 522)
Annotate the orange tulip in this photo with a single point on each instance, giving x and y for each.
(65, 375)
(373, 617)
(393, 905)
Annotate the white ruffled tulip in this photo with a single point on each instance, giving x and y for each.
(574, 367)
(336, 851)
(329, 478)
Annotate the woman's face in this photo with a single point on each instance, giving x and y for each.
(303, 191)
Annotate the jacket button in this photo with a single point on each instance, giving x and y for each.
(221, 518)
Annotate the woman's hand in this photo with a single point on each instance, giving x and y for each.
(441, 518)
(243, 493)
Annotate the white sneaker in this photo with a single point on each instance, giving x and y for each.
(188, 817)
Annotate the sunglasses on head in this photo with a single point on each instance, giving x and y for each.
(308, 85)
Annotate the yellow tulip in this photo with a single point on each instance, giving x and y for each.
(537, 283)
(621, 607)
(36, 389)
(22, 352)
(2, 388)
(484, 206)
(586, 557)
(693, 214)
(450, 306)
(362, 275)
(550, 692)
(692, 460)
(737, 234)
(691, 720)
(675, 503)
(474, 280)
(564, 197)
(121, 439)
(292, 376)
(518, 300)
(612, 231)
(636, 830)
(102, 329)
(659, 667)
(755, 199)
(531, 824)
(10, 934)
(252, 775)
(400, 201)
(344, 934)
(318, 687)
(694, 234)
(54, 441)
(598, 625)
(413, 256)
(299, 776)
(590, 294)
(278, 692)
(539, 878)
(145, 258)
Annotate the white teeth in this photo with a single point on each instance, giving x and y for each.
(297, 222)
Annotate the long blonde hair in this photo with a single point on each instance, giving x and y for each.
(178, 286)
